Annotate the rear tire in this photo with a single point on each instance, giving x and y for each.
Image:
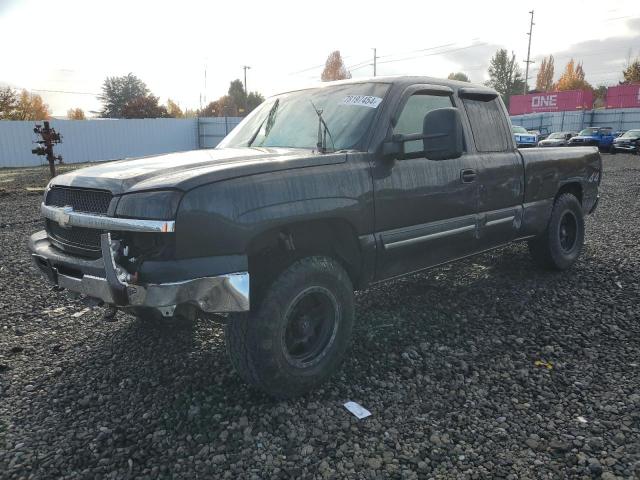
(299, 331)
(559, 246)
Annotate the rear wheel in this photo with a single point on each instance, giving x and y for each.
(298, 334)
(559, 246)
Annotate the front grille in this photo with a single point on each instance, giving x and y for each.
(84, 241)
(85, 238)
(82, 200)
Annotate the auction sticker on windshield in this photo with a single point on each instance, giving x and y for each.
(361, 101)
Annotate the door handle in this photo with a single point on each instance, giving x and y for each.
(468, 175)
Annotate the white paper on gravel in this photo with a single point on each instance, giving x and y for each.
(357, 409)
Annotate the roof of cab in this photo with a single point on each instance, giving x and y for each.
(405, 81)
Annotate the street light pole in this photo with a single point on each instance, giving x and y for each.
(245, 68)
(375, 62)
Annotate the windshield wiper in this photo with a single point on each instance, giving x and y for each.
(323, 130)
(270, 119)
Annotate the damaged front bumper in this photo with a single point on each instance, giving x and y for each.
(102, 279)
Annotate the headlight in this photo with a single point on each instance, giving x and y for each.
(160, 205)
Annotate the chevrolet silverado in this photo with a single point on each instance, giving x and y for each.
(317, 193)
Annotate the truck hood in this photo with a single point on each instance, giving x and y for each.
(187, 170)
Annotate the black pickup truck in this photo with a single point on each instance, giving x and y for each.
(316, 193)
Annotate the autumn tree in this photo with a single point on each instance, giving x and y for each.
(31, 107)
(334, 68)
(505, 75)
(458, 76)
(544, 80)
(144, 106)
(572, 78)
(76, 114)
(174, 110)
(8, 103)
(631, 74)
(118, 91)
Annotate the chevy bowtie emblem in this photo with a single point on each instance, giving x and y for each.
(63, 217)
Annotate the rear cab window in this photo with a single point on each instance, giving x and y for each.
(488, 124)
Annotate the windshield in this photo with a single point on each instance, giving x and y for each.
(588, 131)
(556, 135)
(291, 119)
(517, 129)
(631, 133)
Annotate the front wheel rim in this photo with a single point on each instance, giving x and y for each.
(568, 232)
(311, 325)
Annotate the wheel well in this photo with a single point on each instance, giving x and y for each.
(574, 188)
(274, 250)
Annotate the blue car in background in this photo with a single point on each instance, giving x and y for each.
(601, 137)
(524, 138)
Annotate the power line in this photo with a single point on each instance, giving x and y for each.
(435, 53)
(62, 91)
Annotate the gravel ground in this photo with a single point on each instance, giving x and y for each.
(485, 368)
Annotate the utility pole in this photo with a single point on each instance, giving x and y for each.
(528, 61)
(245, 68)
(375, 62)
(49, 138)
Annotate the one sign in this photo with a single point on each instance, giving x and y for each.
(551, 102)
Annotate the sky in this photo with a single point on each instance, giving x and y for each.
(72, 46)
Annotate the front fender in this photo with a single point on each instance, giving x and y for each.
(223, 218)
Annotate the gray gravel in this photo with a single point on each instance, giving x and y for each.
(453, 364)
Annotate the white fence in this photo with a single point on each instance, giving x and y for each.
(97, 140)
(617, 118)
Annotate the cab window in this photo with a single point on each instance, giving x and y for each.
(412, 116)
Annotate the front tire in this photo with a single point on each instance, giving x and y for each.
(299, 332)
(559, 246)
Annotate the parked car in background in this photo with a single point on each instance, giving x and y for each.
(628, 142)
(541, 133)
(523, 138)
(557, 139)
(601, 137)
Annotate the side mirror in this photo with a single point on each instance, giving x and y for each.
(442, 134)
(441, 137)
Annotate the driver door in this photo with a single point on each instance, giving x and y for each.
(425, 210)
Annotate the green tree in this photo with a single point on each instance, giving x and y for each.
(118, 91)
(505, 75)
(458, 76)
(334, 68)
(237, 96)
(631, 74)
(146, 106)
(253, 100)
(544, 79)
(8, 103)
(600, 96)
